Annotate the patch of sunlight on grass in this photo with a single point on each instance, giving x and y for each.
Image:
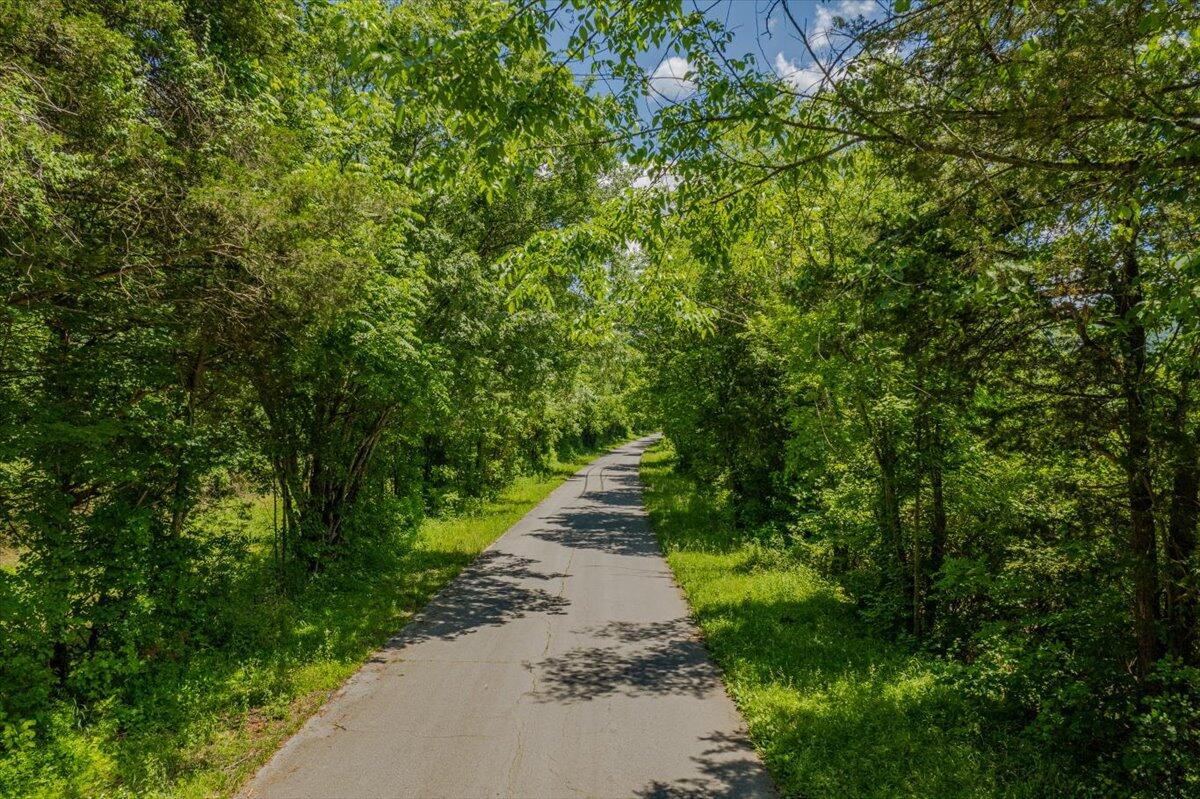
(833, 711)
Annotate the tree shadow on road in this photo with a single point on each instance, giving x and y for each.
(651, 659)
(606, 517)
(609, 522)
(493, 591)
(727, 769)
(613, 532)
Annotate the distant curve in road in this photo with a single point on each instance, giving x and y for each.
(561, 663)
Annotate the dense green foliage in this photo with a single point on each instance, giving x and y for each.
(951, 350)
(198, 725)
(257, 250)
(924, 314)
(833, 709)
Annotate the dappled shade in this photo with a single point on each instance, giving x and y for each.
(491, 591)
(654, 658)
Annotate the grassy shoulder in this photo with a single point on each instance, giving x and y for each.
(200, 727)
(833, 711)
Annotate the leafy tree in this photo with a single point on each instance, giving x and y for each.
(964, 259)
(256, 247)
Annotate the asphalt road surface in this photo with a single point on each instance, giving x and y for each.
(562, 663)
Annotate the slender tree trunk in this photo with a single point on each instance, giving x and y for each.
(937, 530)
(1181, 568)
(288, 532)
(889, 495)
(918, 576)
(335, 478)
(180, 499)
(181, 496)
(1143, 542)
(287, 476)
(895, 567)
(60, 661)
(1180, 573)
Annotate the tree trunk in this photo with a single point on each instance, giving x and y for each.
(937, 528)
(895, 568)
(889, 508)
(918, 576)
(1143, 542)
(60, 662)
(1180, 573)
(180, 494)
(334, 483)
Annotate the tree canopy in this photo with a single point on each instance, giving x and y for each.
(926, 313)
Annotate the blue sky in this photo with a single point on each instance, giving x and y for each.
(762, 30)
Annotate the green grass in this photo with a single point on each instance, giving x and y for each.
(8, 557)
(833, 711)
(199, 727)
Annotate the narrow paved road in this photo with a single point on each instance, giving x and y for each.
(562, 663)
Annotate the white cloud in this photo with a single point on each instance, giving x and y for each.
(671, 79)
(818, 31)
(803, 80)
(857, 8)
